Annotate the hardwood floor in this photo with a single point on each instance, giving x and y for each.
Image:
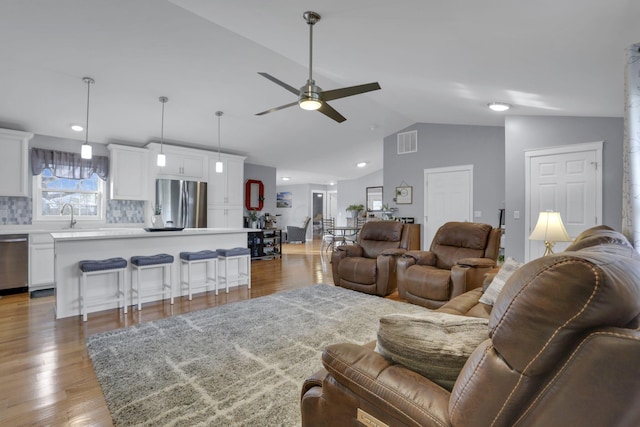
(45, 371)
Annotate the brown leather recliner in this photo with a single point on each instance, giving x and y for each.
(460, 255)
(563, 350)
(369, 265)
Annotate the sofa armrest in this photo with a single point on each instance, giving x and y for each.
(422, 257)
(477, 262)
(393, 252)
(351, 250)
(397, 391)
(314, 380)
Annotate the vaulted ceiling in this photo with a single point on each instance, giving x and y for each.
(437, 61)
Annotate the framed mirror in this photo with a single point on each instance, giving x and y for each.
(374, 199)
(254, 195)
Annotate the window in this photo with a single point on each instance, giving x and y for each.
(50, 194)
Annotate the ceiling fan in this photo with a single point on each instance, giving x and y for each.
(311, 96)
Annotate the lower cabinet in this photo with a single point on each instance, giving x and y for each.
(265, 244)
(41, 273)
(224, 217)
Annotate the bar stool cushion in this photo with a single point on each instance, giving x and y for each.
(234, 252)
(142, 261)
(194, 256)
(102, 264)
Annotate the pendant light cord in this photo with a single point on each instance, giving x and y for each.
(163, 100)
(88, 81)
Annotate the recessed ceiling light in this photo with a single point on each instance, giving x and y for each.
(361, 164)
(499, 106)
(332, 183)
(286, 178)
(77, 128)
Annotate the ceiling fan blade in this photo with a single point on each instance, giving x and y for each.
(329, 111)
(291, 89)
(282, 107)
(330, 95)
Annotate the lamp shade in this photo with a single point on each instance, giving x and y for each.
(550, 228)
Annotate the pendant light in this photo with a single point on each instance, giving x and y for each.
(219, 166)
(162, 159)
(86, 152)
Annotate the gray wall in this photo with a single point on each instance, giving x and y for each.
(441, 145)
(525, 133)
(301, 205)
(267, 175)
(353, 192)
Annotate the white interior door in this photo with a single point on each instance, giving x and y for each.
(567, 180)
(448, 197)
(332, 204)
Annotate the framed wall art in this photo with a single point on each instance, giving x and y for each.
(404, 195)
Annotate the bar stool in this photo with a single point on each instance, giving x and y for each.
(102, 266)
(190, 258)
(243, 256)
(139, 263)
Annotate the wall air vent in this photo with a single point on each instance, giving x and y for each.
(408, 142)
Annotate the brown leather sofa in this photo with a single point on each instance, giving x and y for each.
(461, 253)
(563, 350)
(369, 265)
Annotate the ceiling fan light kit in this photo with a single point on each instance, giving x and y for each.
(312, 97)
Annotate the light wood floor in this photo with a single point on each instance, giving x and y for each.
(46, 377)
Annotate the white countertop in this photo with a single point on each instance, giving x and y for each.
(139, 232)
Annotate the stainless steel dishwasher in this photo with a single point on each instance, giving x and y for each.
(14, 263)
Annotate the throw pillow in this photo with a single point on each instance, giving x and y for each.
(491, 294)
(434, 344)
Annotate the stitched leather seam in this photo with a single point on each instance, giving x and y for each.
(564, 366)
(466, 385)
(553, 335)
(426, 413)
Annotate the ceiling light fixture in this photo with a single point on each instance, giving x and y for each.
(499, 106)
(361, 164)
(219, 166)
(76, 128)
(286, 178)
(161, 160)
(86, 151)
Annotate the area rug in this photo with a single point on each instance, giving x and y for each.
(240, 364)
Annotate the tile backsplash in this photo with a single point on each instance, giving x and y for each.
(125, 211)
(15, 210)
(18, 211)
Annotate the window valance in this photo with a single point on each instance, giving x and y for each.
(68, 165)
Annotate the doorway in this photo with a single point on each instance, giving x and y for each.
(565, 179)
(448, 196)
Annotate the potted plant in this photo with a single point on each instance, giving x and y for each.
(355, 210)
(253, 218)
(156, 220)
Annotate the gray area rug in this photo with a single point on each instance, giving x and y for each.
(240, 364)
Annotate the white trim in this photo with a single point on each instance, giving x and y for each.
(596, 146)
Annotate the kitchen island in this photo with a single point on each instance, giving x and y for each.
(71, 247)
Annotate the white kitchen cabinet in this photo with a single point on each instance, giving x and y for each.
(129, 172)
(225, 193)
(41, 261)
(224, 217)
(226, 188)
(14, 173)
(182, 163)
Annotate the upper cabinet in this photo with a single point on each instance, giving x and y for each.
(14, 173)
(182, 163)
(226, 188)
(129, 172)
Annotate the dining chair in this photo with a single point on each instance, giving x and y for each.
(329, 237)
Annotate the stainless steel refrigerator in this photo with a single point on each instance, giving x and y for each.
(183, 204)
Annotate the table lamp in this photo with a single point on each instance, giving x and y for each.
(550, 229)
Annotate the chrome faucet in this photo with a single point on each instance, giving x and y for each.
(73, 221)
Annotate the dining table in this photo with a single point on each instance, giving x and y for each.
(342, 232)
